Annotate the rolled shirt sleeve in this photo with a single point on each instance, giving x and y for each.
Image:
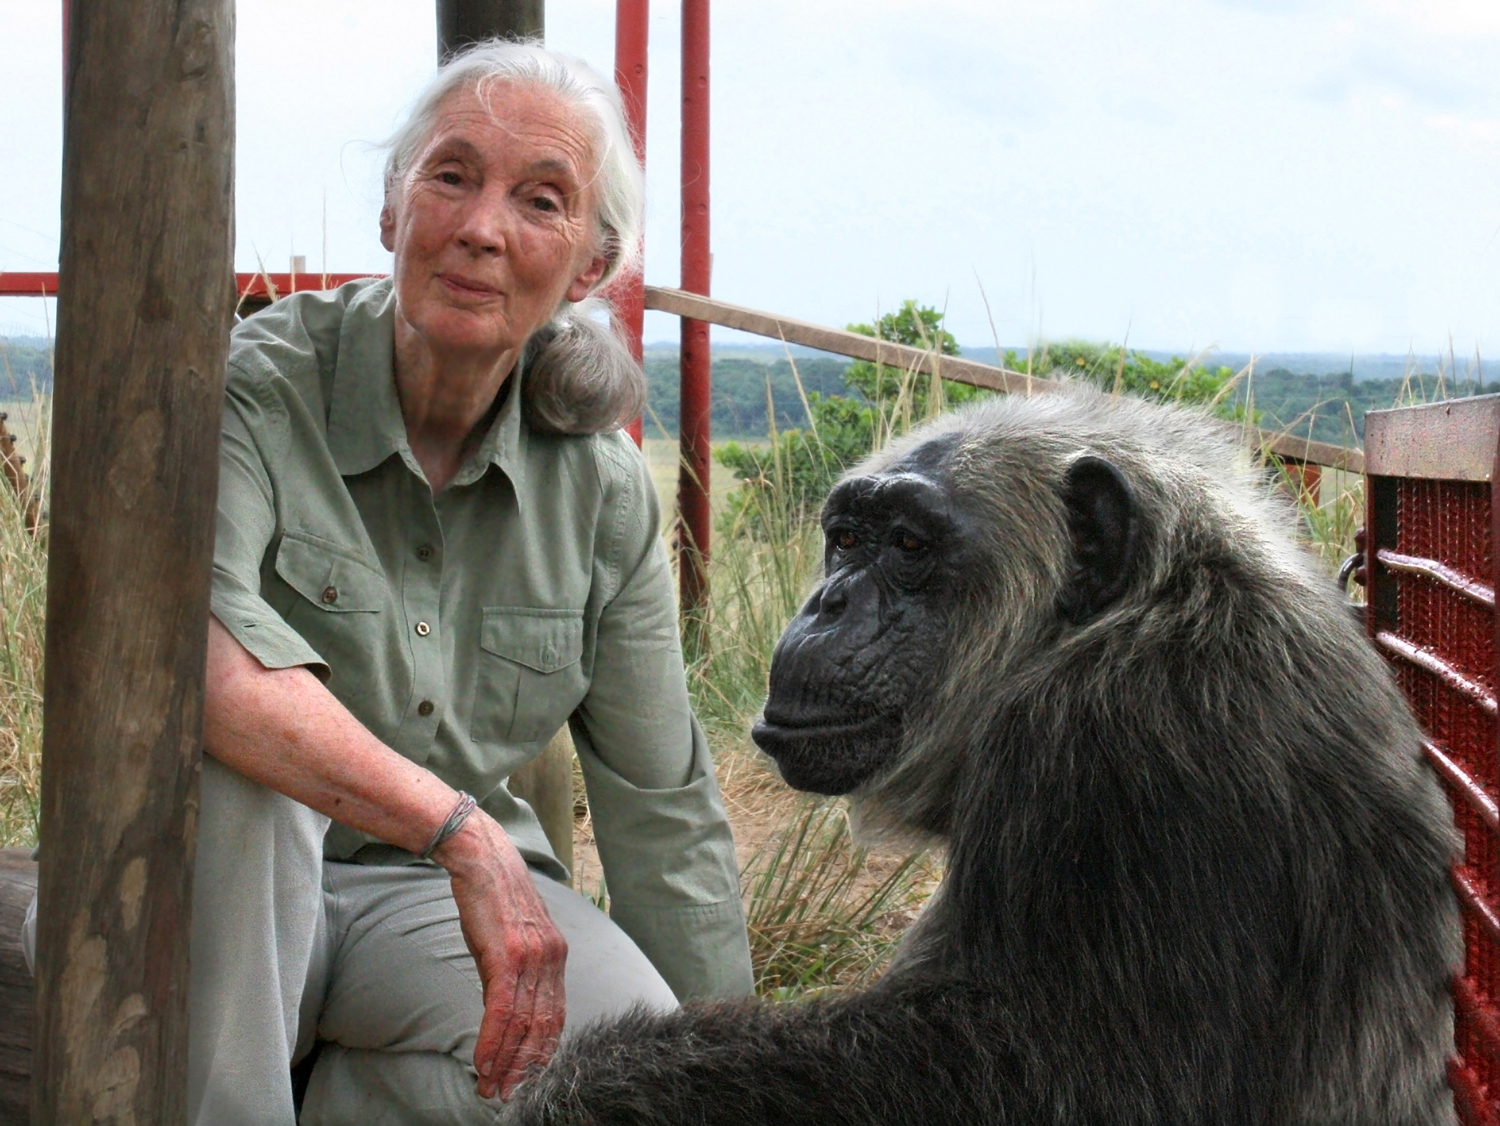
(664, 839)
(246, 526)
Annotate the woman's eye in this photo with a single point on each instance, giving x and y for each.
(544, 203)
(451, 178)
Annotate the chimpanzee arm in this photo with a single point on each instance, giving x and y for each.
(923, 1055)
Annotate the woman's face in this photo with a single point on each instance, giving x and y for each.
(493, 223)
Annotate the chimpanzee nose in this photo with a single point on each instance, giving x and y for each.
(833, 599)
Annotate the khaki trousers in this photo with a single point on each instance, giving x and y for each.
(287, 949)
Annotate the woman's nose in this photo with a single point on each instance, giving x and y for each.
(485, 227)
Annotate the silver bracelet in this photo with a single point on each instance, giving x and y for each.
(466, 805)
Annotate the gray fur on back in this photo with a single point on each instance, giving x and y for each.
(1197, 869)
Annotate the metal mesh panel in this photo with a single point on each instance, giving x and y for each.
(1449, 522)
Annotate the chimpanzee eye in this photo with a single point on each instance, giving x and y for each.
(846, 540)
(908, 542)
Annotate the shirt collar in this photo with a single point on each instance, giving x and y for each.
(364, 415)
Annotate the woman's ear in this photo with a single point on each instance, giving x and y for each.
(582, 285)
(388, 226)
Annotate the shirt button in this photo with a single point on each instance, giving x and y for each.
(424, 553)
(423, 629)
(330, 594)
(424, 708)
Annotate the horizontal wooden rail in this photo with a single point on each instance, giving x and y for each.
(844, 343)
(256, 289)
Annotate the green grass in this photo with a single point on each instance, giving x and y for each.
(816, 922)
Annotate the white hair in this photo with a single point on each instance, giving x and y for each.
(619, 182)
(578, 377)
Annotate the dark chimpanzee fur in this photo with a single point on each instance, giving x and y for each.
(1196, 869)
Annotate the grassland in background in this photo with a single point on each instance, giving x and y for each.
(23, 574)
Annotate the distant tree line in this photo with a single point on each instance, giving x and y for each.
(738, 396)
(1331, 408)
(1328, 407)
(24, 366)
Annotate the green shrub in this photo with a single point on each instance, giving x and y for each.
(799, 466)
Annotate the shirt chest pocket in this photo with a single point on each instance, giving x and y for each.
(334, 603)
(530, 673)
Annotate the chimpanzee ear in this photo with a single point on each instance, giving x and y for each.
(1103, 520)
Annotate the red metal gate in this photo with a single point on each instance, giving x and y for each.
(1433, 522)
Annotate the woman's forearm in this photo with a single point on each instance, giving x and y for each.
(283, 729)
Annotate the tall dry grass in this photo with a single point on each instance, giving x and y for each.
(23, 598)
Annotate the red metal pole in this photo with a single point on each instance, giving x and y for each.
(692, 492)
(632, 24)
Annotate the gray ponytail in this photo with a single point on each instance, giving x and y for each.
(579, 377)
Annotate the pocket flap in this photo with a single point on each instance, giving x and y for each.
(327, 576)
(542, 639)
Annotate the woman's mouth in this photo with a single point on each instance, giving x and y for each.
(469, 287)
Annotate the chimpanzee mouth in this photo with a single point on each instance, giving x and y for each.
(832, 755)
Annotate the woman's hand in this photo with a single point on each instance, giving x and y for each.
(519, 952)
(283, 729)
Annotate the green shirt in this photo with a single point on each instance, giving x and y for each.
(464, 629)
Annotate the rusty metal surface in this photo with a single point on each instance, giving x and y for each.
(1425, 659)
(1439, 573)
(1431, 562)
(1453, 441)
(1460, 782)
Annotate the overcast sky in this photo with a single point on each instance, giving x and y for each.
(1264, 175)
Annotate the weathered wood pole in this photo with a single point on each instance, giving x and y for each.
(461, 22)
(145, 295)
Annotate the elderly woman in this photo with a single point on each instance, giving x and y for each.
(434, 549)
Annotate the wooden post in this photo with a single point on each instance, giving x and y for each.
(17, 990)
(461, 22)
(144, 305)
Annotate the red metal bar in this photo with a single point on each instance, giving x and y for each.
(694, 435)
(1457, 777)
(1471, 895)
(28, 285)
(632, 26)
(1438, 667)
(1439, 573)
(264, 285)
(246, 285)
